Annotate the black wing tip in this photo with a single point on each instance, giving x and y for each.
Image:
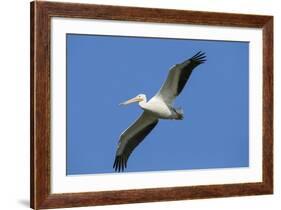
(120, 163)
(199, 57)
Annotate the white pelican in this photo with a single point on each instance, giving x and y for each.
(158, 107)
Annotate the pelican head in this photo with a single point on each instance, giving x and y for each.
(139, 98)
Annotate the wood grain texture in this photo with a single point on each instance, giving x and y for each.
(41, 14)
(40, 105)
(32, 143)
(268, 104)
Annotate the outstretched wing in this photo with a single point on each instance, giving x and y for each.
(178, 76)
(131, 138)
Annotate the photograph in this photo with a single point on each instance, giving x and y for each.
(190, 104)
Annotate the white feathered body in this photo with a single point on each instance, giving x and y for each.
(160, 109)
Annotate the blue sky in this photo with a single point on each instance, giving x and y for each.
(103, 71)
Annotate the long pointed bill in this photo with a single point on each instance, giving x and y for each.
(132, 100)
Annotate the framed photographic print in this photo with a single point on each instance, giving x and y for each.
(136, 105)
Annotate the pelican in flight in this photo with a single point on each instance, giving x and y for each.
(158, 107)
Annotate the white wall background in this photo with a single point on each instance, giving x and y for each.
(14, 103)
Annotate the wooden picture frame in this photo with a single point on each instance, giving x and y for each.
(40, 187)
